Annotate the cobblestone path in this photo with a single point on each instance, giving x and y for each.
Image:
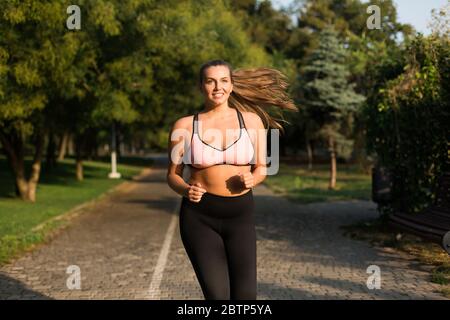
(127, 246)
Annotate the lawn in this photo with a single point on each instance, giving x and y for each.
(299, 184)
(58, 192)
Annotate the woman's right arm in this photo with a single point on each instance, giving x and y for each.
(175, 180)
(175, 149)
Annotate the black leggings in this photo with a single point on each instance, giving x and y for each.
(219, 236)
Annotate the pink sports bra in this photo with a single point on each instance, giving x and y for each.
(203, 155)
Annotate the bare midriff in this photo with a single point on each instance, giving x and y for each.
(222, 180)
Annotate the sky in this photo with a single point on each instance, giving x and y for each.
(414, 12)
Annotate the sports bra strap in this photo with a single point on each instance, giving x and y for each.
(195, 124)
(241, 120)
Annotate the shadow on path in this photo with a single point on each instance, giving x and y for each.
(18, 290)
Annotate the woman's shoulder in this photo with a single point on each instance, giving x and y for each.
(183, 122)
(251, 119)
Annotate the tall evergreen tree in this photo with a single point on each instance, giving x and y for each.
(329, 98)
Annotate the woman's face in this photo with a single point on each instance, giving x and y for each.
(217, 84)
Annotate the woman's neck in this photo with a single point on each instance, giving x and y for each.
(221, 109)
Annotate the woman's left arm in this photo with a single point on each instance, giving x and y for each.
(258, 136)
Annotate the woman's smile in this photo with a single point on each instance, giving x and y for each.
(218, 95)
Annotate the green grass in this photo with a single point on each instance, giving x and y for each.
(441, 275)
(58, 191)
(299, 184)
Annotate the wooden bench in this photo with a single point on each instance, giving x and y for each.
(433, 223)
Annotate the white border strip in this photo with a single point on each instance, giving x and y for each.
(154, 292)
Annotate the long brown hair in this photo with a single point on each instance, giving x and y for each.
(256, 89)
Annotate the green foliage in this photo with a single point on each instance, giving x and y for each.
(147, 72)
(330, 101)
(349, 19)
(363, 46)
(134, 62)
(407, 117)
(40, 62)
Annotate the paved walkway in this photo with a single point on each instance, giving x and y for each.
(127, 246)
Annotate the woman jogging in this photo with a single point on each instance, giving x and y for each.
(224, 146)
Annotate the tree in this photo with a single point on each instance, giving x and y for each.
(37, 66)
(407, 116)
(133, 63)
(328, 96)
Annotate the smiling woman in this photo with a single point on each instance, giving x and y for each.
(225, 147)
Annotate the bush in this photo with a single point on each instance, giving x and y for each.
(407, 116)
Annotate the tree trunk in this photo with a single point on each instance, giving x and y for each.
(70, 145)
(36, 167)
(13, 146)
(17, 191)
(18, 166)
(19, 172)
(331, 148)
(63, 146)
(79, 169)
(79, 144)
